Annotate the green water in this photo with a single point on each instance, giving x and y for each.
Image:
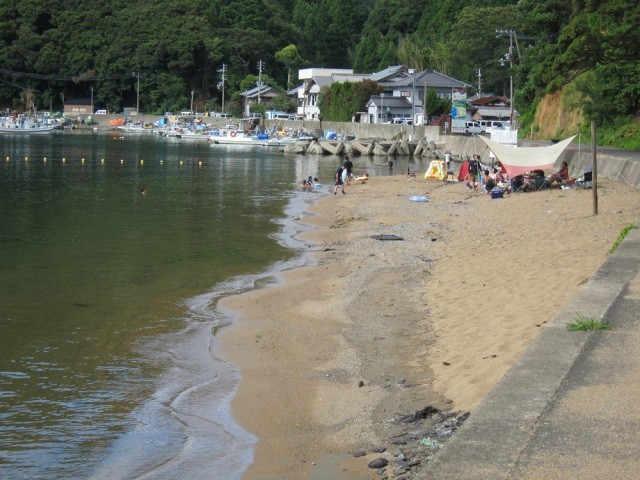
(91, 269)
(107, 297)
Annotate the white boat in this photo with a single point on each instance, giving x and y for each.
(25, 125)
(278, 141)
(134, 128)
(232, 135)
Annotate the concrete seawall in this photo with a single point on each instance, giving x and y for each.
(612, 163)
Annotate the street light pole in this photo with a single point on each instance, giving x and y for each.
(382, 107)
(191, 109)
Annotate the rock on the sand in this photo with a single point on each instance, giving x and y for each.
(378, 463)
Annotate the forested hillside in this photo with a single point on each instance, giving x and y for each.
(60, 49)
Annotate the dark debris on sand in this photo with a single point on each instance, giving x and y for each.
(406, 453)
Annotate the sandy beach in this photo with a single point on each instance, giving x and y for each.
(376, 328)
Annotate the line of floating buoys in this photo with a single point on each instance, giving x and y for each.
(102, 161)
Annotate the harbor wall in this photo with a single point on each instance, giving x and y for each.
(614, 164)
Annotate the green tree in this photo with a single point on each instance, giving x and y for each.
(290, 57)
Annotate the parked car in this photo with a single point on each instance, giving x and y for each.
(101, 112)
(401, 121)
(472, 128)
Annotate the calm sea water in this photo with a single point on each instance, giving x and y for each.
(107, 297)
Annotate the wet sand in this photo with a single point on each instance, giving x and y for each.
(375, 328)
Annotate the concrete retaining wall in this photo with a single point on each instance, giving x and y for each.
(618, 165)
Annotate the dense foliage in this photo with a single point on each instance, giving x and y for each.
(63, 49)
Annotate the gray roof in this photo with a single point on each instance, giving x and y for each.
(265, 89)
(433, 79)
(354, 77)
(386, 73)
(389, 101)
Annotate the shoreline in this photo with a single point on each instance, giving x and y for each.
(376, 328)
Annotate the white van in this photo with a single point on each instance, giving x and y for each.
(401, 121)
(101, 112)
(471, 128)
(490, 125)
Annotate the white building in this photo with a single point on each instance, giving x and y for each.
(401, 98)
(313, 81)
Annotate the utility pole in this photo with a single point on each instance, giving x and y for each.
(412, 72)
(425, 113)
(509, 57)
(260, 67)
(479, 75)
(137, 74)
(221, 83)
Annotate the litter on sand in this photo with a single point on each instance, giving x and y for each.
(386, 237)
(418, 198)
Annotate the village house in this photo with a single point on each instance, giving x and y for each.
(258, 94)
(403, 95)
(313, 80)
(78, 106)
(489, 107)
(400, 101)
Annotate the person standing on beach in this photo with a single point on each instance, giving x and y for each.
(348, 165)
(447, 160)
(338, 180)
(390, 164)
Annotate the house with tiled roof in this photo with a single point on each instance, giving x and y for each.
(402, 96)
(490, 107)
(404, 91)
(258, 94)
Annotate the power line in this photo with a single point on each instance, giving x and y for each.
(67, 78)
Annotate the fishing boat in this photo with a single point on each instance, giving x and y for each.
(25, 125)
(232, 135)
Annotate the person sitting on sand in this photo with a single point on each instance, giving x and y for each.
(489, 182)
(559, 176)
(362, 178)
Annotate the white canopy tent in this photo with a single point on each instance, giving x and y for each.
(521, 160)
